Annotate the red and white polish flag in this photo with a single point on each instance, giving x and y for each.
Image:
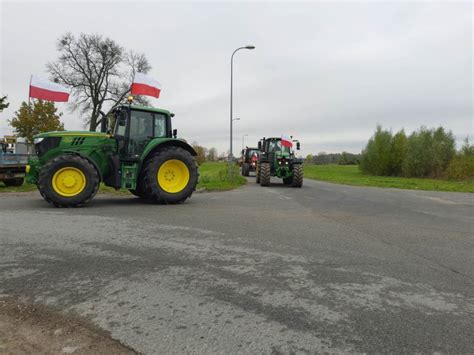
(145, 85)
(286, 141)
(45, 90)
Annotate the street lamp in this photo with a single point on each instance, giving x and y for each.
(243, 138)
(231, 89)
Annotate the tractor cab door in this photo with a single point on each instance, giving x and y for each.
(134, 133)
(140, 133)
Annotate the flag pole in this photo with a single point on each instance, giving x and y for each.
(29, 91)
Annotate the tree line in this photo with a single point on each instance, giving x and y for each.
(343, 158)
(425, 153)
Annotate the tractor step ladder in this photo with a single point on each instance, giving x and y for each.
(129, 175)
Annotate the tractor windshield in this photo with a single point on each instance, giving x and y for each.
(252, 152)
(275, 146)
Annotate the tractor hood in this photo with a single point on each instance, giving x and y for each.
(279, 154)
(71, 133)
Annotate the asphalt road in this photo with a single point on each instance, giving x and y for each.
(255, 270)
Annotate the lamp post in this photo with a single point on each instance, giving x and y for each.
(231, 92)
(243, 138)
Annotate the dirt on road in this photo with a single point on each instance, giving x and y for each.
(28, 329)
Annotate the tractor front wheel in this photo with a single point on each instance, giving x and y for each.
(245, 169)
(138, 192)
(170, 176)
(265, 174)
(257, 173)
(68, 181)
(297, 176)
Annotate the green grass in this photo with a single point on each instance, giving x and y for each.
(213, 177)
(23, 188)
(351, 175)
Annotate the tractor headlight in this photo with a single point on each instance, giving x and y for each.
(37, 140)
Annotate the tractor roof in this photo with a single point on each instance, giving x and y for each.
(147, 108)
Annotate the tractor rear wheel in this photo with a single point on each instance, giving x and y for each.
(169, 176)
(297, 176)
(68, 181)
(265, 174)
(245, 169)
(13, 182)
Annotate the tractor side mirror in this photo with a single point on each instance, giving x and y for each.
(298, 146)
(175, 133)
(259, 145)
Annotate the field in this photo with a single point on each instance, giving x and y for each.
(351, 175)
(213, 177)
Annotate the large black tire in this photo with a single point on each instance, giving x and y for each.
(297, 176)
(257, 173)
(265, 174)
(47, 172)
(245, 169)
(138, 192)
(14, 182)
(151, 186)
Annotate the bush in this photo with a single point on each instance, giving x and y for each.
(346, 158)
(425, 153)
(462, 165)
(375, 157)
(398, 152)
(428, 152)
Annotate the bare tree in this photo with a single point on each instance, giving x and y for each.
(99, 71)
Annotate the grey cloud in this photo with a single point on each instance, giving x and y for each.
(324, 72)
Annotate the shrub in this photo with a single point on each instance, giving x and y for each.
(462, 165)
(375, 157)
(398, 152)
(428, 152)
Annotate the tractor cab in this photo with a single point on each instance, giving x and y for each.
(134, 127)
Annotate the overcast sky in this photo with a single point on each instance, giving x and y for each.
(325, 73)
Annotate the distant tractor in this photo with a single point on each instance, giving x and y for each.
(277, 158)
(249, 160)
(138, 152)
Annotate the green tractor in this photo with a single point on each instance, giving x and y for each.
(277, 159)
(137, 149)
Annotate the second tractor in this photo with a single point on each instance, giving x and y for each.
(277, 158)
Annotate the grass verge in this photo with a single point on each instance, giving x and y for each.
(351, 175)
(213, 177)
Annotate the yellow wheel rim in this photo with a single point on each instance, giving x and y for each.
(69, 181)
(173, 176)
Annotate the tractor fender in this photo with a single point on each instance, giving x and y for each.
(168, 143)
(89, 160)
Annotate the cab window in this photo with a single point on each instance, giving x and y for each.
(141, 130)
(160, 125)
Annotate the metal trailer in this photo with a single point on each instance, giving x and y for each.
(13, 168)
